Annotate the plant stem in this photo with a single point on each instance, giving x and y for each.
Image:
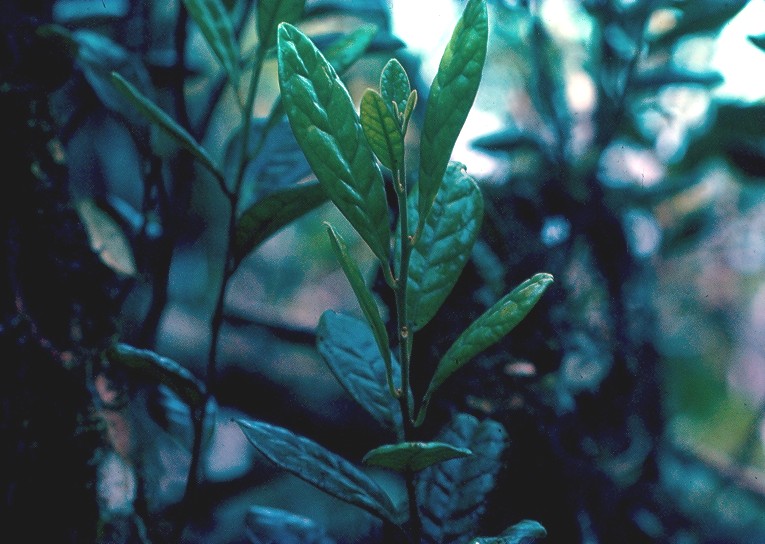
(404, 341)
(216, 321)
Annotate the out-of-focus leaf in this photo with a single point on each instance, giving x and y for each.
(107, 239)
(350, 350)
(328, 130)
(758, 40)
(747, 156)
(215, 23)
(319, 467)
(272, 525)
(343, 51)
(382, 130)
(174, 415)
(413, 456)
(165, 371)
(452, 494)
(89, 13)
(273, 12)
(273, 212)
(444, 245)
(523, 532)
(488, 329)
(662, 77)
(394, 86)
(365, 299)
(155, 114)
(509, 140)
(451, 96)
(701, 16)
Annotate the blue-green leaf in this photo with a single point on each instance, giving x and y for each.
(349, 348)
(273, 212)
(273, 12)
(215, 23)
(523, 532)
(163, 370)
(758, 40)
(444, 245)
(452, 494)
(329, 132)
(346, 50)
(413, 456)
(451, 96)
(382, 130)
(320, 467)
(488, 329)
(365, 299)
(395, 87)
(155, 114)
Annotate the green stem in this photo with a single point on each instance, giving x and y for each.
(404, 342)
(260, 57)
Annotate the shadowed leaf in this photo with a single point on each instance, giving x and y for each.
(413, 456)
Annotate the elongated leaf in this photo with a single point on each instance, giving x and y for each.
(444, 245)
(319, 467)
(213, 20)
(382, 130)
(452, 494)
(273, 12)
(523, 532)
(155, 114)
(350, 350)
(328, 130)
(273, 212)
(451, 97)
(655, 79)
(107, 239)
(346, 50)
(488, 329)
(164, 370)
(395, 87)
(366, 301)
(272, 525)
(413, 455)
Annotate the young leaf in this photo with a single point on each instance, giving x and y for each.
(366, 301)
(452, 494)
(213, 20)
(162, 369)
(382, 130)
(273, 12)
(107, 238)
(328, 130)
(273, 212)
(411, 102)
(413, 455)
(488, 329)
(319, 467)
(350, 350)
(155, 114)
(523, 532)
(394, 86)
(444, 245)
(450, 99)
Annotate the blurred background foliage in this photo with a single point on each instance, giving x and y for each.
(620, 145)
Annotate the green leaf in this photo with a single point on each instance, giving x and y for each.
(319, 467)
(413, 456)
(444, 245)
(395, 87)
(161, 369)
(651, 80)
(523, 532)
(329, 132)
(273, 212)
(365, 299)
(451, 97)
(701, 16)
(382, 130)
(155, 114)
(349, 348)
(346, 50)
(452, 494)
(213, 20)
(411, 102)
(273, 12)
(488, 329)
